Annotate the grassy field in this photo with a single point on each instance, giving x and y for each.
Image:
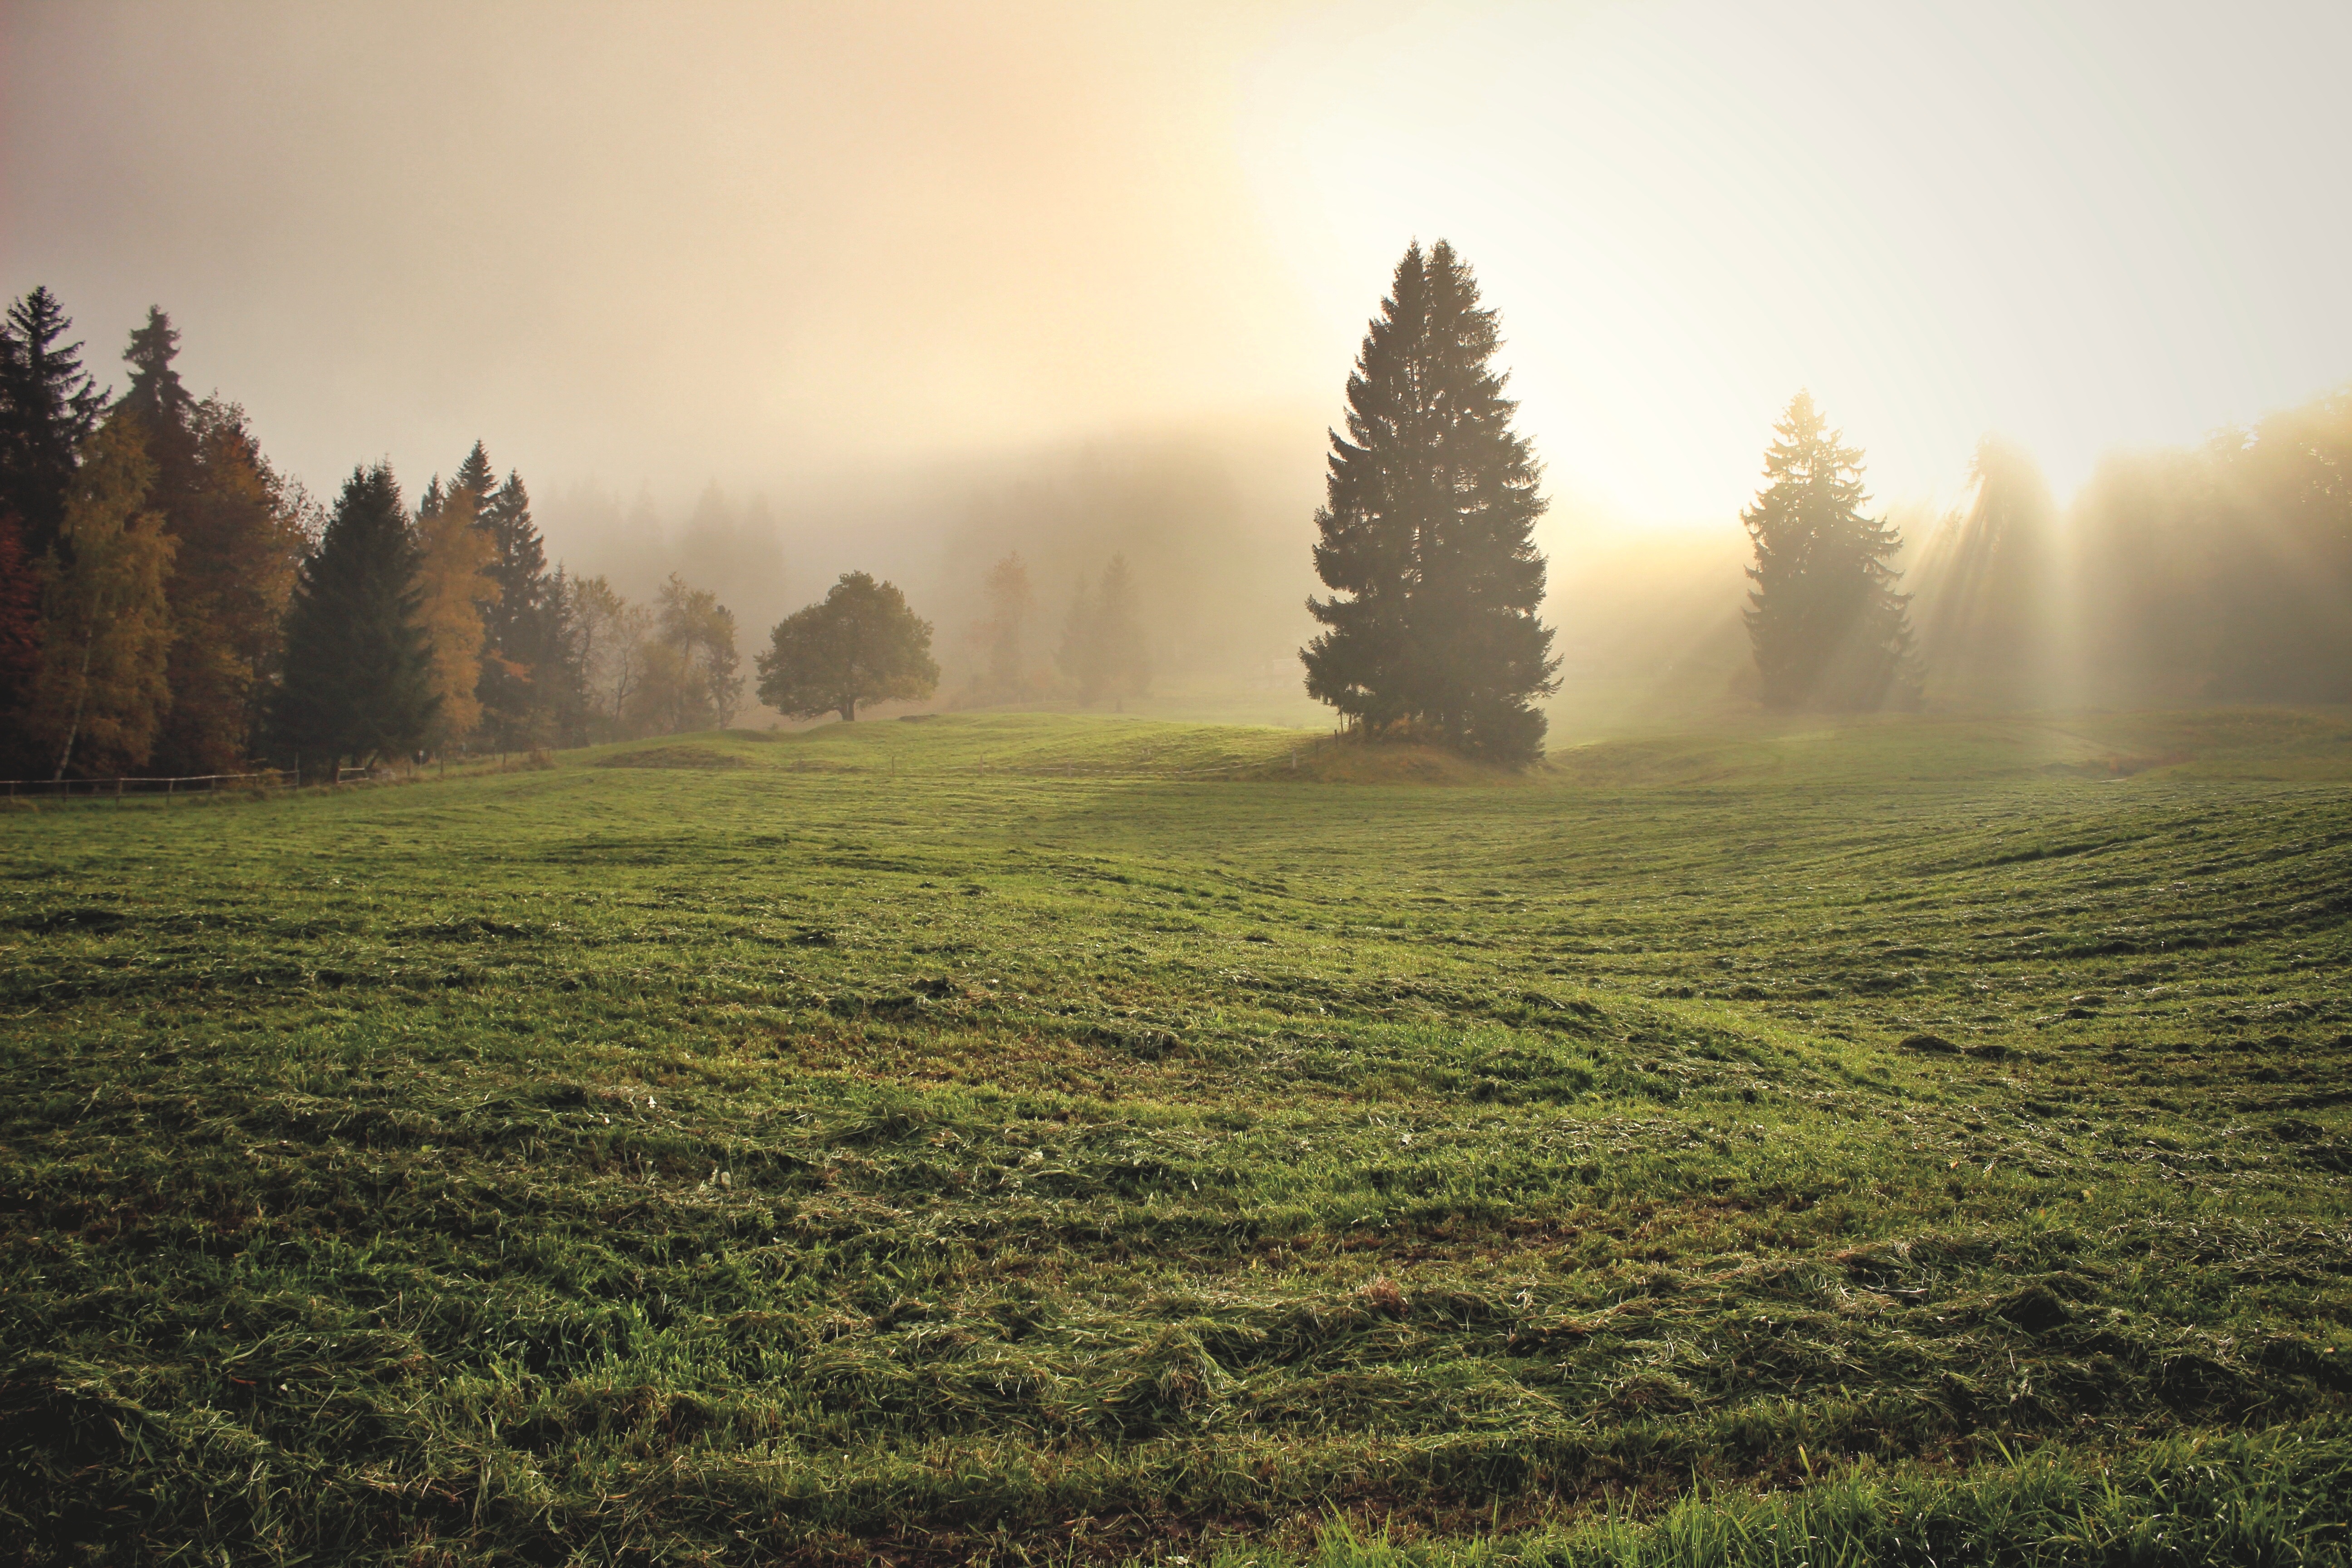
(1051, 1139)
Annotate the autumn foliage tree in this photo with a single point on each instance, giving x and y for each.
(106, 628)
(238, 541)
(454, 581)
(861, 645)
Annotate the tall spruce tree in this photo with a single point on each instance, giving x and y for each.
(1828, 628)
(49, 407)
(238, 545)
(359, 668)
(1427, 532)
(523, 687)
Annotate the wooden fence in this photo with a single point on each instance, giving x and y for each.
(189, 784)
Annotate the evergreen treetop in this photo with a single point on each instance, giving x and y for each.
(1826, 625)
(156, 394)
(359, 674)
(49, 407)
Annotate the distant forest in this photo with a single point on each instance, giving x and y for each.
(171, 604)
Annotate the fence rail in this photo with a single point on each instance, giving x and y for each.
(184, 783)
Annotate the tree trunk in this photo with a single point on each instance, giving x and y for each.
(849, 710)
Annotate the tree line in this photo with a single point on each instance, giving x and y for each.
(170, 603)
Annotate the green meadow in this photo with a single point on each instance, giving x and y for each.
(1053, 1138)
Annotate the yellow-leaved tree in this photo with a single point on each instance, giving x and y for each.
(456, 583)
(106, 625)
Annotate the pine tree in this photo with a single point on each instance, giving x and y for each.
(861, 645)
(522, 663)
(1427, 532)
(161, 405)
(105, 622)
(1076, 657)
(49, 407)
(359, 668)
(1828, 628)
(20, 644)
(1011, 602)
(238, 543)
(1123, 664)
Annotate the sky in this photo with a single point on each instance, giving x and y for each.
(777, 247)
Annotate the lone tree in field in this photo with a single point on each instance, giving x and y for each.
(861, 645)
(1828, 627)
(1427, 532)
(359, 668)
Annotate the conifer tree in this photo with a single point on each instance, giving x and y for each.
(105, 623)
(522, 663)
(1124, 664)
(1103, 648)
(861, 645)
(1011, 602)
(20, 643)
(162, 406)
(238, 543)
(1828, 628)
(1075, 656)
(359, 668)
(1426, 534)
(49, 407)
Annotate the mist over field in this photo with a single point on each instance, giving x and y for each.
(1252, 783)
(781, 293)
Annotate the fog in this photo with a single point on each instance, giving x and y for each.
(759, 294)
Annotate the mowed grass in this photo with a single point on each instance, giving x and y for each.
(1018, 1137)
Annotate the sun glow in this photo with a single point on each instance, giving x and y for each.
(2081, 229)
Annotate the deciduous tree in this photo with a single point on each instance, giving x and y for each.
(690, 677)
(105, 622)
(860, 645)
(453, 583)
(1426, 534)
(238, 539)
(608, 647)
